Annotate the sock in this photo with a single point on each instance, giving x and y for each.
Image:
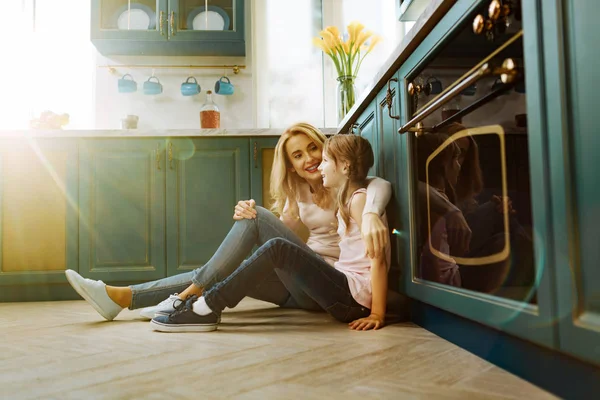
(201, 308)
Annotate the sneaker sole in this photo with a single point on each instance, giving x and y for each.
(157, 326)
(81, 291)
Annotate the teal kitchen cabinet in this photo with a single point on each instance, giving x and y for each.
(263, 153)
(520, 305)
(390, 152)
(572, 92)
(366, 126)
(122, 209)
(38, 217)
(168, 27)
(206, 177)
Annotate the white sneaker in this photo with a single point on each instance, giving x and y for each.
(94, 292)
(165, 307)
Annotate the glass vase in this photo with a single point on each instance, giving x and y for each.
(346, 95)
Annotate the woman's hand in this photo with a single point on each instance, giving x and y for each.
(375, 234)
(244, 210)
(373, 321)
(499, 201)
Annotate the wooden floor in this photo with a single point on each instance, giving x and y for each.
(64, 350)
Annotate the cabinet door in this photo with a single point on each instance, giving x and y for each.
(38, 216)
(117, 24)
(218, 31)
(263, 152)
(122, 209)
(389, 159)
(206, 178)
(367, 128)
(574, 147)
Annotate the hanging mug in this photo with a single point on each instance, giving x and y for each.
(152, 87)
(190, 88)
(434, 85)
(127, 85)
(224, 88)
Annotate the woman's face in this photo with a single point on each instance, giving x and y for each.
(453, 169)
(305, 157)
(464, 144)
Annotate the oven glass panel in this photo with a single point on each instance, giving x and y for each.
(471, 165)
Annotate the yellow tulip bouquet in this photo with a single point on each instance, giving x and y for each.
(347, 57)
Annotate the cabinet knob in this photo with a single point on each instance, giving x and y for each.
(494, 10)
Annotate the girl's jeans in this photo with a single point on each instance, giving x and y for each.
(276, 287)
(307, 271)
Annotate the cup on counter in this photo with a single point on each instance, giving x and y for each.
(190, 88)
(224, 87)
(129, 122)
(127, 85)
(152, 88)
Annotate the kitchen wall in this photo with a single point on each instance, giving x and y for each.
(171, 110)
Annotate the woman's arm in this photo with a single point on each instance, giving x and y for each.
(374, 231)
(291, 216)
(378, 277)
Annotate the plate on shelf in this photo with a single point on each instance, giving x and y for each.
(213, 19)
(140, 17)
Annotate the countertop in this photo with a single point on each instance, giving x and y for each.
(136, 133)
(432, 14)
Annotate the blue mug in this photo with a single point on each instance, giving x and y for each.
(435, 86)
(190, 88)
(470, 91)
(224, 88)
(127, 85)
(152, 87)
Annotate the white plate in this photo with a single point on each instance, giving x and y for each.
(215, 21)
(135, 19)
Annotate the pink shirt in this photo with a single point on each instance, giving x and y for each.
(353, 260)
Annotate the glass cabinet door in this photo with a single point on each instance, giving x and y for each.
(130, 18)
(202, 15)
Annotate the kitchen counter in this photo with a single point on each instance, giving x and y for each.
(432, 14)
(136, 133)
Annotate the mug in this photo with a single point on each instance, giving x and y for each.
(435, 86)
(470, 91)
(152, 87)
(190, 88)
(222, 87)
(127, 85)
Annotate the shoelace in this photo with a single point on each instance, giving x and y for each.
(183, 305)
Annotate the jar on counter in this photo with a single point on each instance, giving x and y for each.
(210, 116)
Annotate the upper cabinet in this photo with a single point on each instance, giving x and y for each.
(168, 27)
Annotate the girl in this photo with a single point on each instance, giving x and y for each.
(300, 198)
(353, 291)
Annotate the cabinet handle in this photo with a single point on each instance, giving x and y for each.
(173, 23)
(171, 155)
(161, 18)
(255, 155)
(157, 152)
(389, 97)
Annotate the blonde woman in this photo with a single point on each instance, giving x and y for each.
(300, 198)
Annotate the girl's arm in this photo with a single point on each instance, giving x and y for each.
(374, 231)
(378, 277)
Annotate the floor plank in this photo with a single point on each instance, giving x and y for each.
(64, 350)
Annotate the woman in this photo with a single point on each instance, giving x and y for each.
(353, 291)
(300, 197)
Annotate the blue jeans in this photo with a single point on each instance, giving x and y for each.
(277, 288)
(327, 286)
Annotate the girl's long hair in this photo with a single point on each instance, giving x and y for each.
(426, 145)
(357, 151)
(284, 185)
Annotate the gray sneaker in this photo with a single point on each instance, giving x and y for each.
(165, 307)
(94, 292)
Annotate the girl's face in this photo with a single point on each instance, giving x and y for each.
(305, 157)
(332, 173)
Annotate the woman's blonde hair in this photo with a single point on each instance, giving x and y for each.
(284, 185)
(357, 151)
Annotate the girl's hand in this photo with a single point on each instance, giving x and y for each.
(244, 210)
(375, 234)
(373, 321)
